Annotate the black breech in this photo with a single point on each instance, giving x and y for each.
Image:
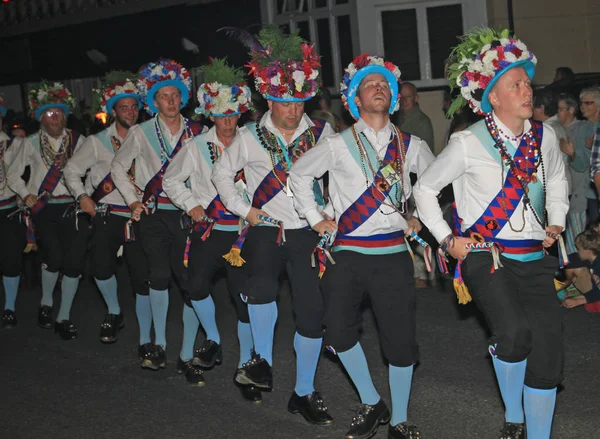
(266, 262)
(389, 282)
(108, 234)
(12, 232)
(519, 304)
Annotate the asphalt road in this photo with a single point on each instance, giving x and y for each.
(85, 389)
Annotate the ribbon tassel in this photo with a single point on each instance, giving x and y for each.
(462, 292)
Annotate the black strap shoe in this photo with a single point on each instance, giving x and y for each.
(159, 357)
(45, 317)
(403, 431)
(367, 420)
(208, 355)
(311, 407)
(256, 372)
(193, 374)
(109, 330)
(66, 329)
(512, 431)
(9, 319)
(249, 392)
(146, 353)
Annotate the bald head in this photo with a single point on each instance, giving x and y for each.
(409, 97)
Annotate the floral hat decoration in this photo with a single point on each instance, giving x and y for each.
(480, 59)
(118, 85)
(50, 95)
(224, 92)
(362, 66)
(3, 108)
(163, 73)
(285, 67)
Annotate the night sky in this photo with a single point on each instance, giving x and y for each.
(132, 40)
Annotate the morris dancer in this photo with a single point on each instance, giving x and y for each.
(223, 98)
(119, 98)
(153, 144)
(266, 151)
(11, 231)
(62, 246)
(370, 251)
(509, 182)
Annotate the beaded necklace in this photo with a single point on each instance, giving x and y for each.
(270, 142)
(523, 176)
(398, 165)
(164, 152)
(215, 151)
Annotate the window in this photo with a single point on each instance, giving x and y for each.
(418, 37)
(326, 23)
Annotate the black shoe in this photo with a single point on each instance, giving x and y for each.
(311, 407)
(109, 330)
(208, 355)
(513, 431)
(45, 317)
(193, 374)
(256, 372)
(403, 431)
(367, 420)
(9, 319)
(249, 392)
(159, 357)
(146, 352)
(66, 329)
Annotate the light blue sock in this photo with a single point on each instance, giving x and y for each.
(11, 288)
(355, 362)
(48, 283)
(539, 411)
(205, 310)
(190, 331)
(400, 381)
(159, 301)
(246, 342)
(262, 320)
(511, 377)
(143, 310)
(308, 351)
(108, 288)
(69, 289)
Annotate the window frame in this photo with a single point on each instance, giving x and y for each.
(422, 34)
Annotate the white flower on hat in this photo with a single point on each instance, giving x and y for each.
(276, 80)
(490, 56)
(510, 57)
(298, 76)
(313, 75)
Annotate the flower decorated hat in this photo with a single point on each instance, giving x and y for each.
(285, 67)
(224, 92)
(3, 108)
(117, 85)
(480, 59)
(50, 95)
(362, 66)
(163, 73)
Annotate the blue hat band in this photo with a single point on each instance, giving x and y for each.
(112, 101)
(274, 99)
(185, 94)
(39, 111)
(529, 67)
(360, 75)
(224, 115)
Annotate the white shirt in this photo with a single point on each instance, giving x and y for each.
(347, 181)
(250, 155)
(7, 155)
(27, 154)
(476, 179)
(96, 157)
(147, 162)
(190, 164)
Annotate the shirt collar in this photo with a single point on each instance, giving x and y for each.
(266, 121)
(383, 136)
(3, 136)
(211, 136)
(166, 131)
(507, 131)
(112, 132)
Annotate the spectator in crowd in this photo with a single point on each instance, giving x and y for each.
(590, 108)
(563, 74)
(588, 247)
(576, 218)
(412, 120)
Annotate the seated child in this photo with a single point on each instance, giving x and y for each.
(588, 248)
